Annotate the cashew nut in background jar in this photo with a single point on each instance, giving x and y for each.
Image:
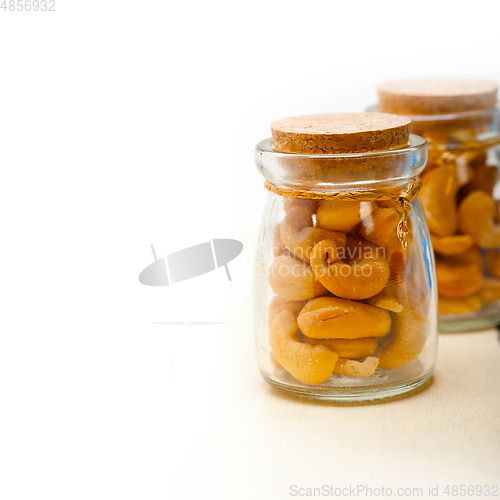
(345, 302)
(460, 119)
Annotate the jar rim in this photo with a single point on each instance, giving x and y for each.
(415, 143)
(460, 115)
(325, 171)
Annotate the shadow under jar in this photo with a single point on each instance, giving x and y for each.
(460, 194)
(344, 293)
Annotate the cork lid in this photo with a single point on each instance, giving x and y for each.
(339, 133)
(437, 96)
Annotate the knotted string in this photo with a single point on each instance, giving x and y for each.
(402, 199)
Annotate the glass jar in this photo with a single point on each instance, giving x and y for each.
(460, 195)
(343, 310)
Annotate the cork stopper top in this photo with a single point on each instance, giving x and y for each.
(437, 96)
(339, 133)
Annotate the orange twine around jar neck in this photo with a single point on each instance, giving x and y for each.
(402, 199)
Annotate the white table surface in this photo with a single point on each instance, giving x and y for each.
(245, 439)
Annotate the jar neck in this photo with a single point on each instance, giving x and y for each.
(345, 172)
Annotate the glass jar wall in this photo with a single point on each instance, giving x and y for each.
(344, 304)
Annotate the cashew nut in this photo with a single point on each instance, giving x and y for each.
(278, 304)
(352, 368)
(345, 348)
(278, 247)
(458, 280)
(477, 213)
(490, 292)
(386, 299)
(459, 306)
(381, 228)
(311, 364)
(409, 338)
(363, 275)
(333, 318)
(438, 193)
(293, 279)
(493, 263)
(298, 235)
(336, 215)
(452, 245)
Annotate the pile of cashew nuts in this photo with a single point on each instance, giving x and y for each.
(340, 306)
(464, 223)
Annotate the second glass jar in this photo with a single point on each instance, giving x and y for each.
(461, 200)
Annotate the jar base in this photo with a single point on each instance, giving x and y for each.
(461, 323)
(349, 394)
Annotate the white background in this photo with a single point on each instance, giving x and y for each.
(128, 123)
